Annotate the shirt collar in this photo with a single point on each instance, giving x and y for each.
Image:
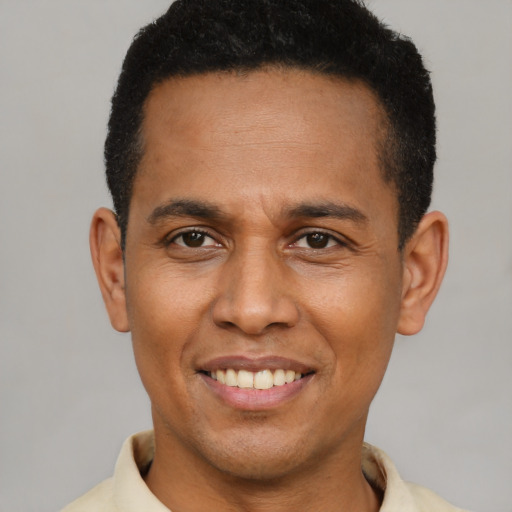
(131, 493)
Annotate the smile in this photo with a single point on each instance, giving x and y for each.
(264, 379)
(255, 384)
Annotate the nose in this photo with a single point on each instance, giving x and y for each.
(255, 293)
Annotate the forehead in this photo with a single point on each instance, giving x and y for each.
(246, 100)
(287, 130)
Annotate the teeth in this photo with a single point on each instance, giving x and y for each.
(245, 379)
(289, 376)
(264, 379)
(221, 376)
(279, 378)
(231, 378)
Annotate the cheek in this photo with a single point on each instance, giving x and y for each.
(357, 314)
(164, 305)
(165, 315)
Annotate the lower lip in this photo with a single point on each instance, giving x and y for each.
(256, 399)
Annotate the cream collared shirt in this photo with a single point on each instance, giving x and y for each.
(126, 491)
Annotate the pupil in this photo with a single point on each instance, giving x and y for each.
(193, 239)
(317, 240)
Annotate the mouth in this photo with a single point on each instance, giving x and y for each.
(255, 384)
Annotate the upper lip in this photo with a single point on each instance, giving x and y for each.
(255, 364)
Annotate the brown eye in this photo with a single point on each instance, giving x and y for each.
(194, 239)
(317, 240)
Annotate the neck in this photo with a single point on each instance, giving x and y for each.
(184, 482)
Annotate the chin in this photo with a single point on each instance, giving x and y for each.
(257, 467)
(258, 459)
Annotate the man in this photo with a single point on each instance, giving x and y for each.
(271, 165)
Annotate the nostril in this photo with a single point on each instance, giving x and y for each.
(226, 324)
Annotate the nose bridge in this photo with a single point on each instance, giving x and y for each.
(255, 291)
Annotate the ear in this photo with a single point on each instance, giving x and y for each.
(424, 264)
(107, 258)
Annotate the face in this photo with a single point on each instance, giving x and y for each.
(263, 281)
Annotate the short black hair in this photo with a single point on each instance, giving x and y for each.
(332, 37)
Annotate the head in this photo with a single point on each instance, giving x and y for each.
(339, 38)
(267, 160)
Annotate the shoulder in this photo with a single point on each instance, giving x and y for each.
(427, 501)
(126, 490)
(382, 474)
(98, 499)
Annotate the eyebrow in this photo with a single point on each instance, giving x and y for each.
(327, 209)
(208, 211)
(185, 208)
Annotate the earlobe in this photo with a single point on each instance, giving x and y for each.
(107, 258)
(424, 264)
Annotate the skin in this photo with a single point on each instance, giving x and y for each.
(290, 251)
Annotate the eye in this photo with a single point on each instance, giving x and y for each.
(194, 239)
(316, 240)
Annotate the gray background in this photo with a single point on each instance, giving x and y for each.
(70, 393)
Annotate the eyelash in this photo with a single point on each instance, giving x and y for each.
(329, 236)
(172, 239)
(204, 233)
